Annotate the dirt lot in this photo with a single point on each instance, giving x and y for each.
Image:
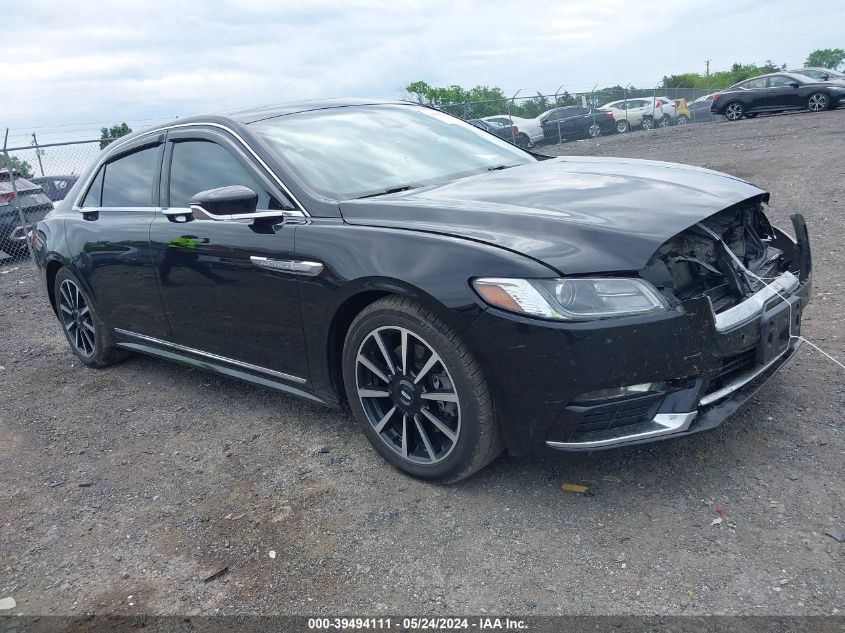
(121, 489)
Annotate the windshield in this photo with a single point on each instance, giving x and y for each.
(357, 151)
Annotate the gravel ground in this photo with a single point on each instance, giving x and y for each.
(122, 489)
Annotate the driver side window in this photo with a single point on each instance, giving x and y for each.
(201, 165)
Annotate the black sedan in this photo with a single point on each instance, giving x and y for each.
(463, 296)
(33, 203)
(574, 122)
(778, 92)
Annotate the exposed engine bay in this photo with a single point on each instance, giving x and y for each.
(724, 257)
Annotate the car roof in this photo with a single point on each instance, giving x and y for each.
(260, 113)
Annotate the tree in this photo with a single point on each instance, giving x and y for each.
(826, 58)
(21, 166)
(113, 132)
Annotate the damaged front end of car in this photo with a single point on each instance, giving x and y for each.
(739, 286)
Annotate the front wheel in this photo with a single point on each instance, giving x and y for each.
(418, 393)
(86, 333)
(734, 111)
(817, 102)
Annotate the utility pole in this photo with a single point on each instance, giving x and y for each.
(707, 66)
(38, 153)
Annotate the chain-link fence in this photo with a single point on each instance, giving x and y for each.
(32, 180)
(540, 119)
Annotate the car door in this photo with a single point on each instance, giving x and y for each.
(220, 296)
(753, 94)
(781, 94)
(109, 239)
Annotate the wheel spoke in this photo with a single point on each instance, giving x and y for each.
(431, 362)
(383, 422)
(83, 310)
(366, 362)
(404, 436)
(403, 350)
(440, 396)
(65, 308)
(373, 393)
(439, 424)
(88, 339)
(88, 326)
(66, 294)
(70, 325)
(424, 436)
(76, 305)
(391, 367)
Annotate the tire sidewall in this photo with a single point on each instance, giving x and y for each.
(826, 101)
(102, 342)
(471, 411)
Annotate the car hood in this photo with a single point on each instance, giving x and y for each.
(577, 215)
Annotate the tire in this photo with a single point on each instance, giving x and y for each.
(734, 111)
(89, 338)
(594, 131)
(818, 102)
(648, 123)
(523, 141)
(682, 119)
(622, 126)
(665, 121)
(463, 435)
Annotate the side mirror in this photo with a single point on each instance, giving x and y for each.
(224, 203)
(794, 84)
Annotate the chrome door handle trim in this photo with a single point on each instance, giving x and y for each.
(299, 267)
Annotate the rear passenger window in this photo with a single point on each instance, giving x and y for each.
(201, 165)
(128, 181)
(95, 191)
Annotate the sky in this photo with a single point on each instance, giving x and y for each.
(68, 68)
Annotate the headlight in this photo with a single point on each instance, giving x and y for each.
(576, 299)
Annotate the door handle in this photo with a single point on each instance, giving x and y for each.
(178, 215)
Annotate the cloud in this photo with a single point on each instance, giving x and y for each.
(140, 60)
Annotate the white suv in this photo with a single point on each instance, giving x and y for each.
(636, 112)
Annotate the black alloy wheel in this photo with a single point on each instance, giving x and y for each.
(417, 392)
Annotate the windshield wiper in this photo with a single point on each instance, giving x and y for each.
(387, 191)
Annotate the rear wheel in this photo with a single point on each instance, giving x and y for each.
(622, 126)
(665, 121)
(682, 119)
(594, 130)
(734, 111)
(418, 393)
(522, 140)
(817, 102)
(648, 123)
(87, 335)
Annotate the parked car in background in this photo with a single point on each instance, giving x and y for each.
(670, 111)
(776, 92)
(580, 123)
(681, 111)
(510, 133)
(33, 203)
(634, 113)
(56, 187)
(530, 127)
(463, 296)
(820, 74)
(699, 109)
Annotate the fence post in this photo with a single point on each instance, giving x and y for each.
(15, 199)
(38, 153)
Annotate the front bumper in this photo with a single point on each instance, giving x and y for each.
(707, 368)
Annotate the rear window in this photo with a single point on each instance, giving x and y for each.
(128, 181)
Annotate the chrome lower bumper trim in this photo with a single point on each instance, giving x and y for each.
(743, 380)
(661, 424)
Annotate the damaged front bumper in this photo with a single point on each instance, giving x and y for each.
(701, 366)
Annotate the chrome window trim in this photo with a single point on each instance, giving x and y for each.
(84, 189)
(224, 359)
